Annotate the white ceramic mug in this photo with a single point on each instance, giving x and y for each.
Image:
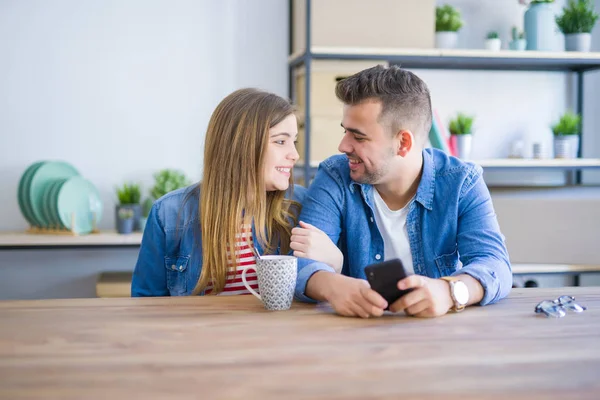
(276, 281)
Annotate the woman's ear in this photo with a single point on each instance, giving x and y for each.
(405, 141)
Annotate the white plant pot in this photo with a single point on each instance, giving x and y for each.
(578, 42)
(493, 44)
(566, 146)
(539, 151)
(446, 40)
(463, 146)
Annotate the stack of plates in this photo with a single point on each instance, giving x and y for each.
(52, 195)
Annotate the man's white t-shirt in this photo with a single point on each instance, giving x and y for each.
(392, 226)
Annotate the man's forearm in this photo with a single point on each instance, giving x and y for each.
(318, 285)
(476, 291)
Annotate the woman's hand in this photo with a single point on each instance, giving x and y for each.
(310, 242)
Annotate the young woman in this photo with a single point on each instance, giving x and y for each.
(198, 239)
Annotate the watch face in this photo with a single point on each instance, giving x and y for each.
(461, 292)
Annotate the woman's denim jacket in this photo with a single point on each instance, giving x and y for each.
(170, 258)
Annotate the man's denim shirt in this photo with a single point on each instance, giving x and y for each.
(170, 258)
(451, 217)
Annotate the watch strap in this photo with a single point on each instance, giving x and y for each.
(451, 281)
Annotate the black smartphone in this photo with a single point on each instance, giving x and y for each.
(383, 278)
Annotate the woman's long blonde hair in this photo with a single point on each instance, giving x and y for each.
(233, 188)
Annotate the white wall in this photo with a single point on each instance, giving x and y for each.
(119, 88)
(123, 88)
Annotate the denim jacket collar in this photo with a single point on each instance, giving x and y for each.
(426, 187)
(425, 190)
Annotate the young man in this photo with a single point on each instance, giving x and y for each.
(389, 197)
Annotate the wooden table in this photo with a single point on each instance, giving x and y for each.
(232, 348)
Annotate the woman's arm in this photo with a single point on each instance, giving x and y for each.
(308, 241)
(149, 275)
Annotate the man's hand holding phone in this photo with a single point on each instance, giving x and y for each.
(349, 297)
(429, 297)
(388, 285)
(414, 294)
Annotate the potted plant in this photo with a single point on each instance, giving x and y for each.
(518, 41)
(146, 207)
(125, 220)
(166, 181)
(129, 196)
(539, 24)
(461, 128)
(576, 22)
(493, 41)
(448, 21)
(566, 135)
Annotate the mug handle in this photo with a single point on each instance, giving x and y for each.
(246, 283)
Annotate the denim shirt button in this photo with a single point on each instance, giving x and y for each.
(377, 256)
(371, 219)
(174, 267)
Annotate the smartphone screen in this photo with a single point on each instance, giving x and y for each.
(383, 278)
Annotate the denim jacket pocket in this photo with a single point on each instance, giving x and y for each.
(447, 264)
(176, 276)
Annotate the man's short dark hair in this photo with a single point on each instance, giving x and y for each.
(405, 99)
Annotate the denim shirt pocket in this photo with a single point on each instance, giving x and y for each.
(447, 264)
(176, 274)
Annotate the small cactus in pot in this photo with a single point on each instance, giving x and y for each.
(518, 41)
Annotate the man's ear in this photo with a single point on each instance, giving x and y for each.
(405, 141)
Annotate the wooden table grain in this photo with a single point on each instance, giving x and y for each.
(231, 348)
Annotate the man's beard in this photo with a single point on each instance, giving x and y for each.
(374, 177)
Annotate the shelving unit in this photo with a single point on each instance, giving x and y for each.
(567, 165)
(103, 239)
(524, 163)
(568, 62)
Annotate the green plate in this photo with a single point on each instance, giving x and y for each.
(53, 204)
(47, 207)
(22, 197)
(78, 200)
(43, 176)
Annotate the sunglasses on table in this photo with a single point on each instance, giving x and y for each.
(558, 308)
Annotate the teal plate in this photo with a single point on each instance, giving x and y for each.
(22, 196)
(47, 211)
(45, 175)
(78, 204)
(45, 208)
(52, 204)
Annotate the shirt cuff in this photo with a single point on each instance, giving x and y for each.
(489, 280)
(304, 275)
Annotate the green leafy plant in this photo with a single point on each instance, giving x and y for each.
(129, 194)
(447, 19)
(569, 124)
(516, 34)
(578, 16)
(125, 213)
(492, 35)
(166, 181)
(461, 125)
(146, 207)
(527, 2)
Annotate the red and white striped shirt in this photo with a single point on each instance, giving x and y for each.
(244, 257)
